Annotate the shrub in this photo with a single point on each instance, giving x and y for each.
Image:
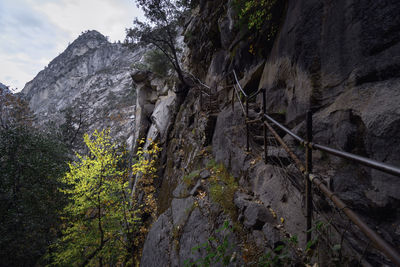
(156, 62)
(222, 189)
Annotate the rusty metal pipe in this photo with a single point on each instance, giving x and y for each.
(264, 109)
(253, 121)
(362, 160)
(247, 127)
(381, 244)
(308, 184)
(298, 138)
(201, 100)
(296, 160)
(233, 99)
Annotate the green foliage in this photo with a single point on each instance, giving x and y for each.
(316, 229)
(30, 164)
(218, 249)
(222, 189)
(156, 62)
(190, 179)
(73, 127)
(98, 219)
(143, 198)
(255, 14)
(279, 256)
(160, 30)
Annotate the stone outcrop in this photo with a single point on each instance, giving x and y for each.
(341, 60)
(338, 58)
(93, 76)
(4, 88)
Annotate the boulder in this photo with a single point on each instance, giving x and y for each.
(256, 215)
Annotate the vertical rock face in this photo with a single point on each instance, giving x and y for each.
(92, 75)
(339, 58)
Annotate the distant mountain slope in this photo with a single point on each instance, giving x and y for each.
(4, 88)
(91, 76)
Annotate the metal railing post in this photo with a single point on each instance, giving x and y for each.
(233, 99)
(209, 102)
(309, 167)
(201, 100)
(264, 110)
(247, 125)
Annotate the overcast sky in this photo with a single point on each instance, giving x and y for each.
(33, 32)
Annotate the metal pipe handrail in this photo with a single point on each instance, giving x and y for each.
(199, 81)
(296, 160)
(381, 244)
(240, 102)
(298, 138)
(204, 92)
(346, 155)
(365, 161)
(237, 81)
(255, 94)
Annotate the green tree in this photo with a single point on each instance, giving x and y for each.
(98, 220)
(30, 164)
(259, 14)
(156, 62)
(160, 31)
(74, 125)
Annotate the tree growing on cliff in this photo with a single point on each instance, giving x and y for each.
(104, 224)
(160, 30)
(98, 220)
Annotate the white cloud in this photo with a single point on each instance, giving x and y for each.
(109, 17)
(33, 32)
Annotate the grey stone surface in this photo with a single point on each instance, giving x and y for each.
(156, 249)
(229, 142)
(4, 88)
(139, 76)
(92, 74)
(195, 232)
(341, 56)
(204, 174)
(242, 201)
(181, 210)
(256, 215)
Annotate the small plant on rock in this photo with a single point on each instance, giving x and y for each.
(219, 250)
(222, 189)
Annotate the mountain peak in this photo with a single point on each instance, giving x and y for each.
(4, 90)
(3, 86)
(91, 34)
(90, 39)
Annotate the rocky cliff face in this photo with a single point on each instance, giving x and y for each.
(91, 76)
(4, 88)
(338, 58)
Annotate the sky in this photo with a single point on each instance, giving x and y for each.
(33, 32)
